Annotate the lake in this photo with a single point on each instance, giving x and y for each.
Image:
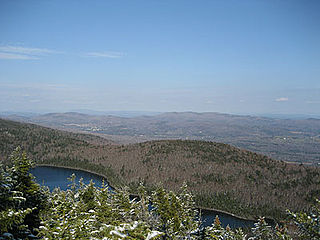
(54, 177)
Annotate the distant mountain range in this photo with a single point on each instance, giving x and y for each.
(117, 113)
(293, 140)
(86, 111)
(289, 116)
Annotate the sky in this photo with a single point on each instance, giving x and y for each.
(230, 56)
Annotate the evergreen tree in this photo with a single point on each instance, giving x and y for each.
(262, 231)
(308, 223)
(21, 199)
(217, 232)
(176, 214)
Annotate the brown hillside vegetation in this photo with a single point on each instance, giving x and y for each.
(292, 140)
(220, 176)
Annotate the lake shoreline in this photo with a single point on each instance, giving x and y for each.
(225, 212)
(135, 195)
(78, 169)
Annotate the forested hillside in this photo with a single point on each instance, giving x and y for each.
(219, 175)
(28, 211)
(293, 140)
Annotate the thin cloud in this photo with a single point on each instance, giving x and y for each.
(282, 99)
(36, 86)
(24, 53)
(13, 56)
(26, 50)
(28, 53)
(105, 54)
(313, 102)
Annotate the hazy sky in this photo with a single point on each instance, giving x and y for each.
(248, 56)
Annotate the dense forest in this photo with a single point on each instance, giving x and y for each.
(28, 211)
(218, 175)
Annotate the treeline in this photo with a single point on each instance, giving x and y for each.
(219, 176)
(28, 211)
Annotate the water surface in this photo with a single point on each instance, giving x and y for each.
(54, 177)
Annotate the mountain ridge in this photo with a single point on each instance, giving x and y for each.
(293, 140)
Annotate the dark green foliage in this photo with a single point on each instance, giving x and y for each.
(308, 223)
(228, 202)
(262, 231)
(175, 212)
(21, 199)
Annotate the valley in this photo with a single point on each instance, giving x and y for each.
(291, 140)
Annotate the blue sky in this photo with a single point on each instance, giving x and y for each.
(248, 56)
